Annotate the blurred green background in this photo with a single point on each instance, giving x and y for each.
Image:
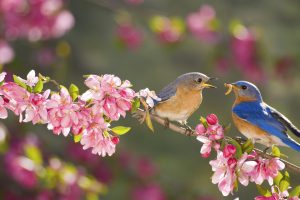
(181, 172)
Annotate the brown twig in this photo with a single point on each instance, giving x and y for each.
(185, 132)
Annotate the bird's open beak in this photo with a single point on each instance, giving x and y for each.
(206, 85)
(230, 87)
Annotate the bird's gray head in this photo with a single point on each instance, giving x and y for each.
(194, 81)
(245, 91)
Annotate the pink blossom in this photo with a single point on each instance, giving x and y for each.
(200, 129)
(36, 110)
(3, 111)
(15, 97)
(229, 150)
(129, 36)
(202, 24)
(245, 168)
(207, 146)
(216, 132)
(6, 52)
(224, 173)
(266, 169)
(97, 137)
(62, 112)
(212, 119)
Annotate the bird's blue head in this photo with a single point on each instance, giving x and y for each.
(244, 91)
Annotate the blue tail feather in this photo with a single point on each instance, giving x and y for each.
(292, 143)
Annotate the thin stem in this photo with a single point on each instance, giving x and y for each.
(183, 131)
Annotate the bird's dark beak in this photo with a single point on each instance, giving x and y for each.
(230, 86)
(213, 79)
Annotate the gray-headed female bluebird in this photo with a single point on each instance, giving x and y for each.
(181, 98)
(257, 120)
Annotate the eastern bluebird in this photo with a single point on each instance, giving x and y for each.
(181, 98)
(257, 120)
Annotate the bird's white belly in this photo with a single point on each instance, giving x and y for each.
(267, 140)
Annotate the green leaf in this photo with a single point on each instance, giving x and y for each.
(295, 192)
(278, 178)
(239, 151)
(263, 191)
(38, 87)
(148, 121)
(248, 146)
(204, 122)
(33, 153)
(275, 151)
(77, 138)
(19, 82)
(135, 105)
(74, 91)
(120, 130)
(284, 185)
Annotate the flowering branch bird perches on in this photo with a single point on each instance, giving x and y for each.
(88, 117)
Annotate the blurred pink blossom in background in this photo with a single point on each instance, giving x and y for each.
(203, 24)
(244, 47)
(6, 53)
(35, 19)
(167, 30)
(148, 192)
(129, 36)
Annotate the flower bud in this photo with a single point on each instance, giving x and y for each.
(212, 119)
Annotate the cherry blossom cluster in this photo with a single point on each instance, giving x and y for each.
(87, 116)
(235, 162)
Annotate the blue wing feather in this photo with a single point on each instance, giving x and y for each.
(259, 114)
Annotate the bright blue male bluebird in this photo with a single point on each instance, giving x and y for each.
(181, 98)
(257, 120)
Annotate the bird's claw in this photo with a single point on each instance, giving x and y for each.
(167, 123)
(140, 117)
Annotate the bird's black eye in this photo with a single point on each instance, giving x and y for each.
(199, 80)
(244, 87)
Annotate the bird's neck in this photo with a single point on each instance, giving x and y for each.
(240, 99)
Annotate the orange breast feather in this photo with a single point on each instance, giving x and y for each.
(179, 107)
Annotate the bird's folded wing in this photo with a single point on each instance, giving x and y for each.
(262, 118)
(284, 120)
(166, 93)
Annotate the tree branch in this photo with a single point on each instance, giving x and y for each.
(185, 132)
